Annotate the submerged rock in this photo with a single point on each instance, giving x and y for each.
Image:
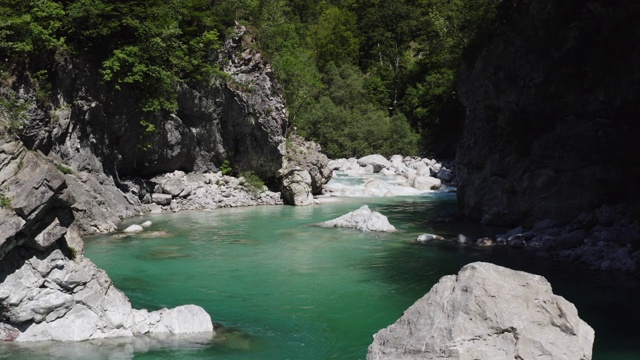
(487, 312)
(362, 219)
(427, 238)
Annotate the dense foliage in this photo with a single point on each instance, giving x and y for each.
(146, 45)
(365, 76)
(360, 76)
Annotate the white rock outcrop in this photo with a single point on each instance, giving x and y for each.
(363, 219)
(133, 229)
(64, 300)
(487, 312)
(296, 187)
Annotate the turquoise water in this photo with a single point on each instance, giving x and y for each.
(286, 289)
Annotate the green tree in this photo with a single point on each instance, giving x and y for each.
(335, 37)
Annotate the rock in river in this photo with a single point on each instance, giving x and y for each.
(362, 219)
(487, 312)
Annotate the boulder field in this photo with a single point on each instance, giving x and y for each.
(409, 172)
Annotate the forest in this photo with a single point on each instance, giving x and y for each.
(359, 76)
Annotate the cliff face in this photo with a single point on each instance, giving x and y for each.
(78, 168)
(92, 128)
(552, 104)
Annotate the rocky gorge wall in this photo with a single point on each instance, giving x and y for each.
(552, 104)
(82, 161)
(242, 119)
(48, 289)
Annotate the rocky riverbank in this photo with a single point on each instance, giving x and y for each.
(49, 290)
(605, 239)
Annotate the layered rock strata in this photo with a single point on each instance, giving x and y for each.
(487, 312)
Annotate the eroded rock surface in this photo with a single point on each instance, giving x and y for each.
(296, 187)
(48, 289)
(487, 312)
(307, 156)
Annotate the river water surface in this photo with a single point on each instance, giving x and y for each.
(283, 288)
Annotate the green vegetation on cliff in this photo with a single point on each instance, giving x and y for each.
(372, 76)
(148, 46)
(359, 76)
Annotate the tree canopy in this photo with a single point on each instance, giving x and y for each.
(359, 76)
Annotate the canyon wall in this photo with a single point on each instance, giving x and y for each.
(552, 112)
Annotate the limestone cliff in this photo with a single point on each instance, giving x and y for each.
(551, 99)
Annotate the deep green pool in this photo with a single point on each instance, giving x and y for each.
(286, 289)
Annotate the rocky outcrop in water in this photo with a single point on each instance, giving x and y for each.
(602, 240)
(305, 172)
(552, 109)
(487, 312)
(363, 219)
(49, 290)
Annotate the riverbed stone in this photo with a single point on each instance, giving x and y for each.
(296, 187)
(161, 199)
(133, 229)
(487, 312)
(426, 183)
(427, 238)
(363, 219)
(378, 162)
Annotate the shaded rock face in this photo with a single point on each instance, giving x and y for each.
(93, 129)
(552, 108)
(487, 312)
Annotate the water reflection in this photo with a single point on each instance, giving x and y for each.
(107, 349)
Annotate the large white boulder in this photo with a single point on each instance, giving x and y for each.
(426, 183)
(487, 312)
(296, 187)
(362, 219)
(378, 162)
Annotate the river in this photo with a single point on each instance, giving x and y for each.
(283, 288)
